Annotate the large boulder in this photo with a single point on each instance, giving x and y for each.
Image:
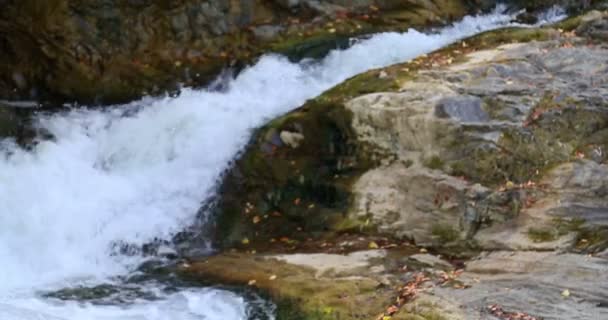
(490, 155)
(481, 145)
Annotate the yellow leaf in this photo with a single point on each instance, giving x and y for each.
(566, 293)
(245, 241)
(373, 245)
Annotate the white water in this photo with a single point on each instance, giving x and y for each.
(111, 177)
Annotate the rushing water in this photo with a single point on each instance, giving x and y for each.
(138, 172)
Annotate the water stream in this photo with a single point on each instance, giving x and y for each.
(139, 172)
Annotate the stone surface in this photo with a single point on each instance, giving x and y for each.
(533, 282)
(469, 146)
(537, 104)
(489, 154)
(111, 51)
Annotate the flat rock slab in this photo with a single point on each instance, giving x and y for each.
(534, 283)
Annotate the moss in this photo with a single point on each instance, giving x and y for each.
(435, 163)
(592, 239)
(542, 234)
(445, 233)
(555, 130)
(298, 292)
(289, 309)
(433, 315)
(305, 188)
(560, 227)
(423, 310)
(368, 82)
(565, 225)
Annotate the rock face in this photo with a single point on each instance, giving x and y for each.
(499, 144)
(108, 51)
(491, 152)
(499, 148)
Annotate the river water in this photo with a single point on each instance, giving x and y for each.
(139, 172)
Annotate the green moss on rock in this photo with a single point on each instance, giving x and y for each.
(445, 233)
(304, 187)
(542, 234)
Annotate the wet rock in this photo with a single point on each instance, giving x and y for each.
(526, 18)
(9, 123)
(319, 286)
(105, 52)
(453, 155)
(490, 153)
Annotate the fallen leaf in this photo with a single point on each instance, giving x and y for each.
(373, 245)
(566, 293)
(392, 310)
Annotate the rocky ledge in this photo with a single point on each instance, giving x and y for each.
(114, 51)
(103, 52)
(468, 183)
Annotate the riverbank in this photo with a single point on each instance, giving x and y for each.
(109, 52)
(99, 52)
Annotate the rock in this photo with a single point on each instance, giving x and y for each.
(526, 18)
(462, 108)
(9, 123)
(491, 155)
(15, 125)
(114, 51)
(299, 288)
(533, 282)
(594, 25)
(456, 156)
(291, 139)
(324, 263)
(432, 261)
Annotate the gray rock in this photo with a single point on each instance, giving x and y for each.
(533, 282)
(462, 108)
